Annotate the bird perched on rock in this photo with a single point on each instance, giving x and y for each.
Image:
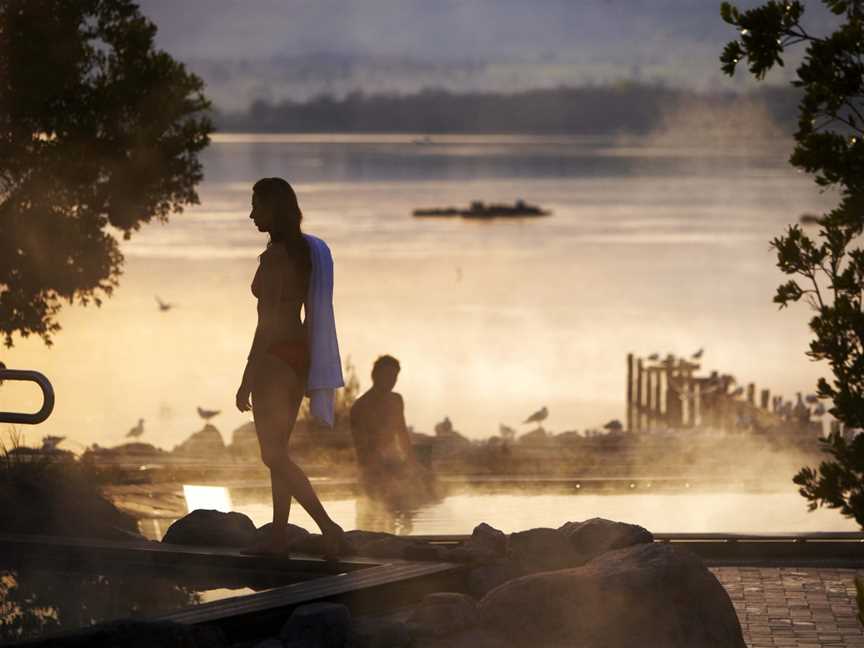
(614, 426)
(698, 354)
(811, 398)
(506, 432)
(136, 431)
(207, 414)
(163, 306)
(537, 417)
(654, 357)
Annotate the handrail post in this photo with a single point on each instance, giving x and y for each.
(24, 375)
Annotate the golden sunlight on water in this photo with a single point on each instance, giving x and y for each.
(491, 321)
(732, 512)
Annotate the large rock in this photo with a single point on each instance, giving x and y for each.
(648, 595)
(486, 545)
(212, 529)
(324, 625)
(206, 442)
(484, 578)
(296, 534)
(543, 549)
(597, 536)
(443, 613)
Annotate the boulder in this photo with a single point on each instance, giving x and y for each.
(648, 595)
(542, 549)
(244, 441)
(212, 529)
(483, 578)
(388, 631)
(443, 613)
(473, 638)
(486, 545)
(206, 442)
(325, 625)
(295, 533)
(597, 536)
(381, 545)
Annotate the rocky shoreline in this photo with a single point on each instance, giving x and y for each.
(595, 583)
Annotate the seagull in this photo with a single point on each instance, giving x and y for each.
(506, 431)
(136, 431)
(538, 416)
(614, 426)
(698, 354)
(207, 414)
(163, 306)
(811, 398)
(654, 357)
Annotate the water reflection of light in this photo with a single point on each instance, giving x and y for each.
(207, 497)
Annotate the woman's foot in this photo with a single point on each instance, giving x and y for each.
(333, 541)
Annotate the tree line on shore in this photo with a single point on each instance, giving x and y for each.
(625, 107)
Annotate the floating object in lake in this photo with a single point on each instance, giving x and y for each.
(136, 431)
(480, 210)
(207, 414)
(537, 417)
(810, 219)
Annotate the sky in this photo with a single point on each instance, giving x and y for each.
(277, 49)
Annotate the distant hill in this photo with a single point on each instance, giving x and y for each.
(623, 108)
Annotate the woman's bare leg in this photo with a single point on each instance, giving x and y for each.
(275, 420)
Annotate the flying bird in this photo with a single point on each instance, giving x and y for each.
(698, 354)
(207, 414)
(538, 416)
(136, 431)
(163, 306)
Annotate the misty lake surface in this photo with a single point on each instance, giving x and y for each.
(652, 246)
(772, 511)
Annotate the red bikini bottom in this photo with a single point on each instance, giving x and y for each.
(295, 353)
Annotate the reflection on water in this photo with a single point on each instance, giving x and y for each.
(214, 498)
(514, 510)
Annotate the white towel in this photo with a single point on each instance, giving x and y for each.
(325, 365)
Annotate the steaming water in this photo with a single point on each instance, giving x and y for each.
(698, 512)
(649, 249)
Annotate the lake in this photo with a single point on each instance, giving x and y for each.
(650, 248)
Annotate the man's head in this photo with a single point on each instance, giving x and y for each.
(385, 371)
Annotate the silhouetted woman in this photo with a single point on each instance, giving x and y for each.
(277, 373)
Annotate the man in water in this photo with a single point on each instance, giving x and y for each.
(381, 439)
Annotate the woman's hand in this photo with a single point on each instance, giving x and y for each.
(242, 399)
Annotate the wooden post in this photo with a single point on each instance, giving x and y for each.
(629, 392)
(691, 398)
(640, 374)
(764, 398)
(751, 394)
(658, 407)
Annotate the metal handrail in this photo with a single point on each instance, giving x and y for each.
(24, 375)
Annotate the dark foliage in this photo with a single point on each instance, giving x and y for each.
(827, 272)
(99, 133)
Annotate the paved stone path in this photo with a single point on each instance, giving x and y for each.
(794, 607)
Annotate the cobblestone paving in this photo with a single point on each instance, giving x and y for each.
(794, 607)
